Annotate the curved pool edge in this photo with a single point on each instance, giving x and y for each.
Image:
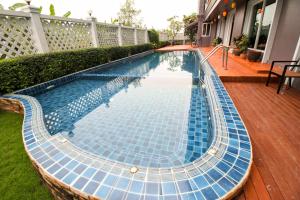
(31, 111)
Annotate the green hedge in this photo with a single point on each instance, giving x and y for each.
(153, 36)
(21, 72)
(161, 44)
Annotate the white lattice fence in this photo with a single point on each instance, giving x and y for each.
(15, 37)
(127, 36)
(163, 36)
(67, 35)
(140, 36)
(107, 35)
(28, 32)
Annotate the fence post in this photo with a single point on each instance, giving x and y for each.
(37, 29)
(146, 35)
(120, 35)
(94, 31)
(135, 36)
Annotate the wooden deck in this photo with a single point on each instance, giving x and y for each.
(175, 48)
(273, 122)
(238, 69)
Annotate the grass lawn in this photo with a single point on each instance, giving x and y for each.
(18, 180)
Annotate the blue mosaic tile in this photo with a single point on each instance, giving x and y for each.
(80, 183)
(91, 187)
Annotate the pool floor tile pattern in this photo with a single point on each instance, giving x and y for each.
(144, 122)
(210, 177)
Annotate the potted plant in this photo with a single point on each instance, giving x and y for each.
(253, 55)
(236, 50)
(216, 41)
(243, 45)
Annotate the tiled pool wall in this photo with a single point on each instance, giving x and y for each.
(71, 77)
(72, 173)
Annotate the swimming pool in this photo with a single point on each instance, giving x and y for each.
(146, 113)
(146, 127)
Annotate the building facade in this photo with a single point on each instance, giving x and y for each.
(272, 26)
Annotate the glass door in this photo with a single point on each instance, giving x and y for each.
(257, 11)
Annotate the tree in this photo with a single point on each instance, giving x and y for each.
(190, 31)
(128, 14)
(153, 36)
(174, 27)
(114, 20)
(52, 11)
(19, 5)
(14, 6)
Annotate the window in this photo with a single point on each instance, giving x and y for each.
(206, 29)
(257, 10)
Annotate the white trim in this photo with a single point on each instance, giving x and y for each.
(219, 26)
(14, 13)
(228, 27)
(249, 16)
(297, 51)
(272, 31)
(222, 28)
(212, 9)
(206, 24)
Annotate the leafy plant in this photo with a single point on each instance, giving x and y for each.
(217, 41)
(174, 27)
(128, 14)
(52, 10)
(16, 6)
(153, 36)
(1, 7)
(190, 31)
(25, 71)
(243, 43)
(67, 14)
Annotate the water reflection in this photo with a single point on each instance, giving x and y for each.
(122, 113)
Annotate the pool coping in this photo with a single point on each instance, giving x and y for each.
(32, 110)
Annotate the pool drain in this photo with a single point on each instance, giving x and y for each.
(134, 170)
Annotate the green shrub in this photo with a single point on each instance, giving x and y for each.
(161, 44)
(21, 72)
(216, 41)
(153, 36)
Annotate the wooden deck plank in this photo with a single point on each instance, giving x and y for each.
(249, 191)
(258, 184)
(273, 122)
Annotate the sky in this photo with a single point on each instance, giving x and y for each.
(153, 12)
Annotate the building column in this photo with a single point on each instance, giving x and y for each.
(146, 35)
(94, 33)
(37, 29)
(120, 35)
(135, 36)
(200, 21)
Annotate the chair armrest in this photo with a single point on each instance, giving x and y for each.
(281, 61)
(293, 66)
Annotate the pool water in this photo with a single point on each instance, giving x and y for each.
(147, 112)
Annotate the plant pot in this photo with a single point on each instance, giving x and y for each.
(243, 55)
(236, 51)
(253, 56)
